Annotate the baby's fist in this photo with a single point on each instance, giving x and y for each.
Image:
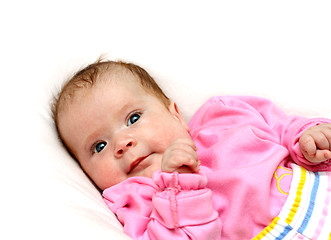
(181, 156)
(315, 143)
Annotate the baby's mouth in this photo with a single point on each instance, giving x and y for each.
(136, 163)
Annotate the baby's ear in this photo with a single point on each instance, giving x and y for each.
(173, 108)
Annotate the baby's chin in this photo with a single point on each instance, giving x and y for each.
(149, 171)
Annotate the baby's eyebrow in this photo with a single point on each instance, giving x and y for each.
(125, 107)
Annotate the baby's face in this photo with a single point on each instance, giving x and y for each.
(116, 130)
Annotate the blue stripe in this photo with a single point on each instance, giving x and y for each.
(287, 229)
(311, 204)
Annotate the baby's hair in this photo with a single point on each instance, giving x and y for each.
(89, 76)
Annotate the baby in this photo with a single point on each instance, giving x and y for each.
(241, 169)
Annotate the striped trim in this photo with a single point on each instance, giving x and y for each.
(307, 211)
(267, 230)
(311, 204)
(298, 194)
(325, 211)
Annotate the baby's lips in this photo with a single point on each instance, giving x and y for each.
(137, 162)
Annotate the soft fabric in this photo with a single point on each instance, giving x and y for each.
(244, 144)
(165, 207)
(307, 211)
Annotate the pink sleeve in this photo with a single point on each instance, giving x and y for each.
(292, 141)
(173, 206)
(265, 117)
(289, 128)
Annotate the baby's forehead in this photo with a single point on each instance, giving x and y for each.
(118, 75)
(111, 80)
(108, 89)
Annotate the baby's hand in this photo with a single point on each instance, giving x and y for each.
(181, 156)
(315, 143)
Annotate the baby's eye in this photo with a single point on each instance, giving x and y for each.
(99, 147)
(133, 118)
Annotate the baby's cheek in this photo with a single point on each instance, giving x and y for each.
(108, 176)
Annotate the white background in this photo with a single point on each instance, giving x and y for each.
(194, 49)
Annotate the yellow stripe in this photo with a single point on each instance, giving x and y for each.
(330, 236)
(293, 210)
(267, 229)
(297, 200)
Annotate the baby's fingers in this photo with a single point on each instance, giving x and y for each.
(322, 140)
(315, 147)
(321, 156)
(189, 158)
(307, 146)
(181, 156)
(181, 161)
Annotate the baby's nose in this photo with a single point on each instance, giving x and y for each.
(123, 146)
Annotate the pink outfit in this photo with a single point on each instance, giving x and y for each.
(245, 145)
